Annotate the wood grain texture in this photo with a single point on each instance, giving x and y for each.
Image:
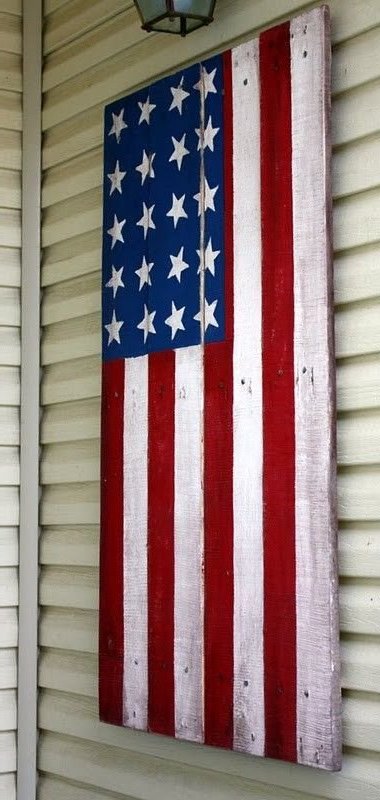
(318, 692)
(247, 406)
(103, 769)
(188, 545)
(135, 613)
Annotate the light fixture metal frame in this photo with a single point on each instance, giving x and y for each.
(171, 13)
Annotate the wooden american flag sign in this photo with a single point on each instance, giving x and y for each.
(218, 602)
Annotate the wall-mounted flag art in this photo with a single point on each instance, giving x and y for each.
(218, 581)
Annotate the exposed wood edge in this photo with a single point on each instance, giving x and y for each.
(30, 389)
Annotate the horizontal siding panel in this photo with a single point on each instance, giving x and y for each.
(10, 111)
(359, 552)
(361, 663)
(10, 72)
(69, 587)
(9, 425)
(7, 756)
(8, 786)
(10, 232)
(115, 35)
(69, 672)
(85, 381)
(357, 273)
(10, 150)
(9, 497)
(356, 329)
(79, 337)
(9, 306)
(8, 587)
(8, 547)
(61, 789)
(71, 463)
(8, 710)
(353, 63)
(10, 266)
(356, 220)
(75, 546)
(72, 299)
(359, 439)
(10, 189)
(76, 18)
(361, 721)
(355, 167)
(358, 383)
(11, 7)
(75, 504)
(10, 33)
(150, 778)
(69, 630)
(8, 669)
(9, 386)
(360, 608)
(72, 217)
(77, 379)
(358, 494)
(68, 180)
(77, 256)
(348, 126)
(68, 422)
(9, 466)
(8, 627)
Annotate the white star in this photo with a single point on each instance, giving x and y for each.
(210, 256)
(143, 273)
(178, 266)
(146, 166)
(207, 80)
(146, 323)
(118, 125)
(146, 110)
(115, 282)
(179, 151)
(209, 195)
(113, 329)
(116, 179)
(175, 320)
(146, 220)
(209, 315)
(179, 95)
(177, 210)
(209, 133)
(115, 231)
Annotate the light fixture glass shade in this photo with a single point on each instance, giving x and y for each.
(175, 16)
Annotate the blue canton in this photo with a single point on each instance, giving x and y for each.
(152, 228)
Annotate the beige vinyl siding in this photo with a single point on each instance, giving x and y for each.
(94, 52)
(10, 238)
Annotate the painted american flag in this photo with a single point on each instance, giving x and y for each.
(218, 609)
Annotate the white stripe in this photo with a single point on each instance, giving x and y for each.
(135, 701)
(247, 405)
(317, 689)
(188, 544)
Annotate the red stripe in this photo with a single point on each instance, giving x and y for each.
(161, 543)
(218, 487)
(278, 396)
(111, 624)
